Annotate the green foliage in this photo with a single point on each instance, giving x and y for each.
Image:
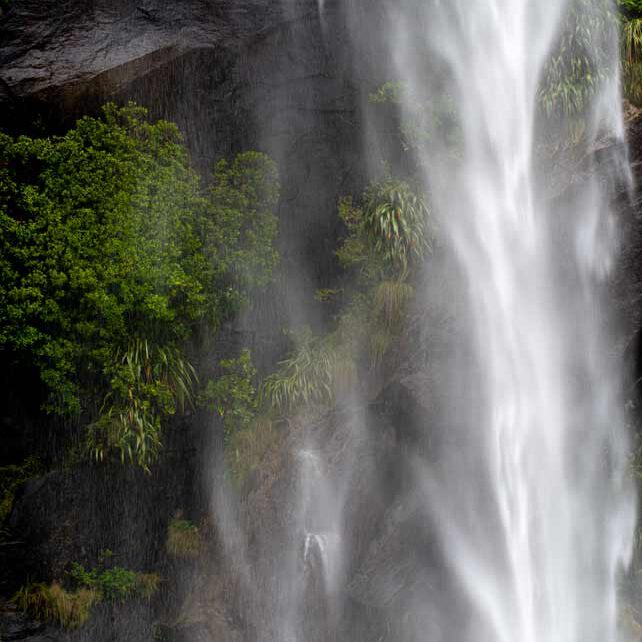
(395, 220)
(147, 383)
(115, 584)
(98, 245)
(247, 434)
(183, 539)
(112, 254)
(68, 609)
(11, 478)
(390, 300)
(240, 226)
(389, 92)
(582, 60)
(388, 234)
(233, 395)
(631, 43)
(312, 377)
(71, 609)
(387, 238)
(630, 8)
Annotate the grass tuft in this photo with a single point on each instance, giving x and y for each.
(68, 609)
(183, 539)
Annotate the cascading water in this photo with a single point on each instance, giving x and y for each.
(526, 490)
(530, 498)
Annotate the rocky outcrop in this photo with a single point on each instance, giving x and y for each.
(50, 50)
(16, 626)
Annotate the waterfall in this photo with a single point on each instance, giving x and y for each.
(530, 498)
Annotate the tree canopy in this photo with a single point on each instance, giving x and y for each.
(112, 253)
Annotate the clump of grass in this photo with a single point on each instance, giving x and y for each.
(147, 584)
(391, 298)
(183, 539)
(68, 609)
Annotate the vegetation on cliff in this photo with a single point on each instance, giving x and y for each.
(113, 256)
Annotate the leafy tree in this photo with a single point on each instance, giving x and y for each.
(233, 394)
(112, 255)
(240, 226)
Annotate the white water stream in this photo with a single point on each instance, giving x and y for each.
(534, 511)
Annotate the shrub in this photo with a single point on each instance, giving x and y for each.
(424, 119)
(630, 8)
(390, 299)
(117, 583)
(395, 223)
(240, 225)
(631, 42)
(388, 235)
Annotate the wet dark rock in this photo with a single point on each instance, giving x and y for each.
(67, 48)
(190, 633)
(15, 626)
(71, 516)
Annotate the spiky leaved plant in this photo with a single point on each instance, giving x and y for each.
(149, 383)
(312, 377)
(395, 220)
